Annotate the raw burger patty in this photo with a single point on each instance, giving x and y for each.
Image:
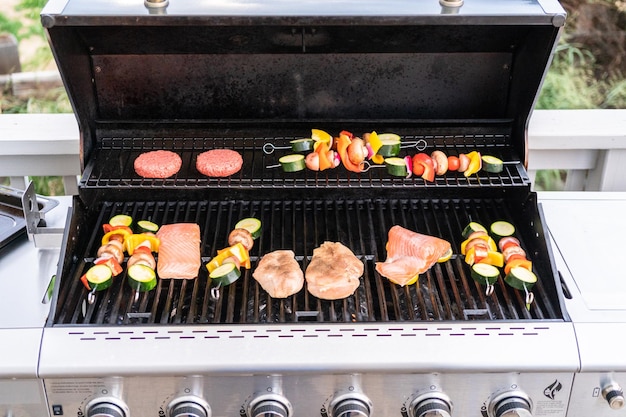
(157, 164)
(219, 162)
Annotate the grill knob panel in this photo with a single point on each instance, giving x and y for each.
(511, 404)
(614, 395)
(105, 409)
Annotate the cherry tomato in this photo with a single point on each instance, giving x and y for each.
(453, 163)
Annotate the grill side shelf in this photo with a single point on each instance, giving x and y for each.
(445, 293)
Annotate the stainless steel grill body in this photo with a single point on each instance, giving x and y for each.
(238, 75)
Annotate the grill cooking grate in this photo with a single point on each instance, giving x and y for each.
(446, 292)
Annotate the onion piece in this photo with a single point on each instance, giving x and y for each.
(409, 166)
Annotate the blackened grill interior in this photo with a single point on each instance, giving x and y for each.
(446, 292)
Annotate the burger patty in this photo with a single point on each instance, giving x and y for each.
(219, 162)
(157, 164)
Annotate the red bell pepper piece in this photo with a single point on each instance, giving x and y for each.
(112, 263)
(346, 133)
(423, 166)
(108, 227)
(83, 279)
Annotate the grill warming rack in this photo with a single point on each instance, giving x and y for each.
(112, 167)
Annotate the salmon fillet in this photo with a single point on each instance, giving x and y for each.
(279, 274)
(179, 251)
(410, 254)
(333, 272)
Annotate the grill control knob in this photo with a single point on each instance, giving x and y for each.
(105, 409)
(188, 409)
(614, 395)
(431, 404)
(351, 405)
(510, 404)
(270, 406)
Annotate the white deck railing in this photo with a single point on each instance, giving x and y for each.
(589, 144)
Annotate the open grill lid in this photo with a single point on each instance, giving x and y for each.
(127, 65)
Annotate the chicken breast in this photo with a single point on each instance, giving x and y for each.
(410, 254)
(179, 251)
(279, 274)
(333, 272)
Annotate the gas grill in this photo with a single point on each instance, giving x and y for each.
(252, 77)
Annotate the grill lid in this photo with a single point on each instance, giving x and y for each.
(125, 64)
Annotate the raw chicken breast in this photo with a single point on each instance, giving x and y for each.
(179, 251)
(410, 254)
(333, 272)
(279, 274)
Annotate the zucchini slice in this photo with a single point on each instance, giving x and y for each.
(292, 163)
(473, 227)
(141, 277)
(502, 229)
(147, 226)
(390, 145)
(225, 274)
(121, 220)
(492, 164)
(396, 166)
(99, 277)
(251, 224)
(485, 274)
(520, 278)
(302, 145)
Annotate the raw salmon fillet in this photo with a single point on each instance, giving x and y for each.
(279, 274)
(333, 272)
(179, 251)
(409, 254)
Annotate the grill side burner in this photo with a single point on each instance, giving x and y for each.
(446, 292)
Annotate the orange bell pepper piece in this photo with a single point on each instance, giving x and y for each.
(343, 141)
(322, 151)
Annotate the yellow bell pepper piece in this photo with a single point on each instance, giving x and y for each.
(475, 164)
(239, 252)
(493, 258)
(217, 261)
(141, 239)
(107, 236)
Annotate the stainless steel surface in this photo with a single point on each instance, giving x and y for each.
(313, 394)
(583, 227)
(349, 347)
(25, 273)
(22, 397)
(305, 7)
